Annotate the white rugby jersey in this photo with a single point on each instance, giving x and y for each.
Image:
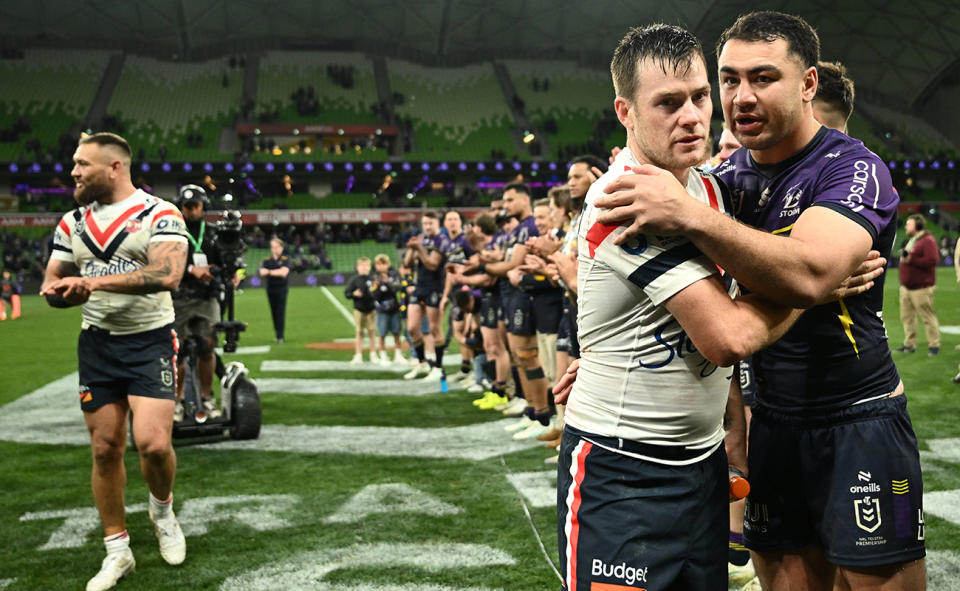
(110, 240)
(641, 378)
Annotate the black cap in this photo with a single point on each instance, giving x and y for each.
(192, 194)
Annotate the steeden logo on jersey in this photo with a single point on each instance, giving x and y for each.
(133, 226)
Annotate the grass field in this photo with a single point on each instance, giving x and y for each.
(362, 489)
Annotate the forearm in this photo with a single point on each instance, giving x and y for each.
(477, 280)
(735, 426)
(760, 322)
(149, 279)
(784, 269)
(504, 267)
(431, 261)
(163, 271)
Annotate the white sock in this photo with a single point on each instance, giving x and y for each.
(160, 509)
(117, 542)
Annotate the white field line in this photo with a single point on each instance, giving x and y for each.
(339, 306)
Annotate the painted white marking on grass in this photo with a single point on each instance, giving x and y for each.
(539, 488)
(4, 583)
(945, 504)
(308, 569)
(946, 450)
(78, 523)
(950, 329)
(338, 305)
(258, 512)
(50, 414)
(472, 442)
(942, 569)
(291, 366)
(389, 498)
(351, 387)
(256, 350)
(533, 527)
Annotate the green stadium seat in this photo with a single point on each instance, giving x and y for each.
(457, 113)
(160, 103)
(52, 88)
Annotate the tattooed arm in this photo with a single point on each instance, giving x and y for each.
(163, 271)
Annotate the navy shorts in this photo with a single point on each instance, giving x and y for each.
(627, 523)
(490, 313)
(748, 382)
(847, 480)
(548, 311)
(427, 295)
(518, 314)
(115, 366)
(563, 334)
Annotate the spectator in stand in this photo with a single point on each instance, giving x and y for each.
(360, 290)
(918, 273)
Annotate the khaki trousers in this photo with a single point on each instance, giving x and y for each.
(918, 302)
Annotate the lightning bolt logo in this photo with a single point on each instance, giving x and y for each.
(847, 322)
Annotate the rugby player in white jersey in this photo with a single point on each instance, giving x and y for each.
(119, 254)
(836, 496)
(642, 485)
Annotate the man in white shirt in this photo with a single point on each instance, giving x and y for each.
(119, 254)
(642, 485)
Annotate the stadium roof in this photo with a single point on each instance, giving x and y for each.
(897, 50)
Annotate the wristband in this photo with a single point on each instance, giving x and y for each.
(482, 267)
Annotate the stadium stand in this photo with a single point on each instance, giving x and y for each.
(346, 98)
(911, 134)
(454, 113)
(161, 103)
(50, 91)
(574, 98)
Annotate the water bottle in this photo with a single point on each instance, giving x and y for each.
(739, 486)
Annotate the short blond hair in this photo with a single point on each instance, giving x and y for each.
(382, 259)
(363, 260)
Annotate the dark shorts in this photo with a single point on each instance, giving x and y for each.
(115, 366)
(847, 480)
(634, 524)
(427, 295)
(490, 312)
(748, 381)
(547, 312)
(563, 334)
(518, 314)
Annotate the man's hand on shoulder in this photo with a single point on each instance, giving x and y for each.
(649, 200)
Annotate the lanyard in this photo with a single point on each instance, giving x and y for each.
(199, 241)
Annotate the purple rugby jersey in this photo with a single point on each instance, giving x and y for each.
(836, 354)
(527, 228)
(426, 277)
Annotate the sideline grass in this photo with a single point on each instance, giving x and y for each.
(41, 347)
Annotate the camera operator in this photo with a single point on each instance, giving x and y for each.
(197, 301)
